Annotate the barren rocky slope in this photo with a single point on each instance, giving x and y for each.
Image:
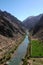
(12, 33)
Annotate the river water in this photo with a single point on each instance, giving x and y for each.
(20, 52)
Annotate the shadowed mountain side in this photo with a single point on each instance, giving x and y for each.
(10, 25)
(35, 26)
(31, 21)
(38, 29)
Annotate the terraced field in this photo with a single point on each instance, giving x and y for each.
(36, 48)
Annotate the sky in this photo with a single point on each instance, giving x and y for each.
(22, 8)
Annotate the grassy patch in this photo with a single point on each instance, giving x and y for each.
(36, 48)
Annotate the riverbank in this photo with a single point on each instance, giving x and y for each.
(10, 53)
(20, 52)
(32, 56)
(27, 60)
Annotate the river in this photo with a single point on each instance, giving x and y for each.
(20, 52)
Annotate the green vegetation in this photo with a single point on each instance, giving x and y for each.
(36, 48)
(25, 62)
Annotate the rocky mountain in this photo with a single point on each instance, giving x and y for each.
(35, 26)
(10, 25)
(31, 21)
(12, 33)
(38, 29)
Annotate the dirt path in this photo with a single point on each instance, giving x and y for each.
(37, 63)
(29, 62)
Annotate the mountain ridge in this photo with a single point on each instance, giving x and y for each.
(30, 22)
(12, 22)
(35, 26)
(12, 32)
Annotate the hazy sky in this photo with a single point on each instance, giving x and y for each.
(22, 8)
